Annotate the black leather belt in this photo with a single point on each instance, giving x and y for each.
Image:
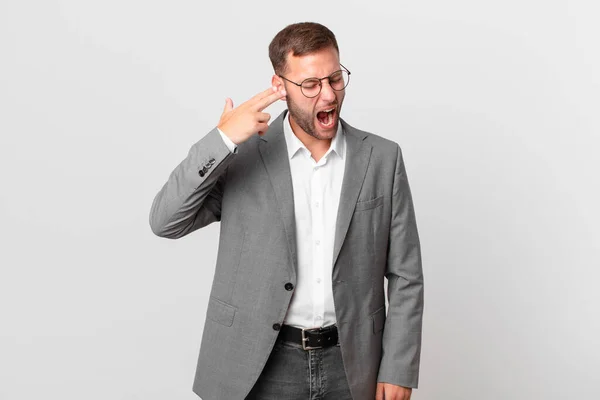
(314, 338)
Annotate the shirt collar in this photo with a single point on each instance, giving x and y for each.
(338, 143)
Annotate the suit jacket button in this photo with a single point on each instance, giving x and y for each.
(289, 286)
(276, 327)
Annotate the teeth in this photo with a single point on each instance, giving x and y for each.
(329, 110)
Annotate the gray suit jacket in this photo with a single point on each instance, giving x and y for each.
(251, 194)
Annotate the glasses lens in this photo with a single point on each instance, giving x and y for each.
(311, 87)
(339, 80)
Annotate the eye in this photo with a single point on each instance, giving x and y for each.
(336, 76)
(310, 84)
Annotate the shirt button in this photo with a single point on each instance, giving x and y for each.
(318, 280)
(201, 173)
(317, 204)
(276, 327)
(318, 242)
(319, 317)
(289, 286)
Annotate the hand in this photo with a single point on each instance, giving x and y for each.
(387, 391)
(238, 124)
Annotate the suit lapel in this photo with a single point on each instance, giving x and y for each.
(273, 150)
(358, 153)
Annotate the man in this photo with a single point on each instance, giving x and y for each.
(314, 213)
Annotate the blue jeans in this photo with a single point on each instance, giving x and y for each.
(292, 373)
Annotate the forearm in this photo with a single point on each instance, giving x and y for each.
(401, 343)
(191, 197)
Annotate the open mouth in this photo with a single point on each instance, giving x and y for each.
(327, 118)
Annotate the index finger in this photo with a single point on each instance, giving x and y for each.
(259, 96)
(269, 99)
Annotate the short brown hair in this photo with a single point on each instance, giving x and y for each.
(301, 39)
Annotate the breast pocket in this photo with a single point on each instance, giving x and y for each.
(369, 204)
(220, 312)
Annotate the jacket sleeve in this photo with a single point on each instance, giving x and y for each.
(191, 197)
(401, 343)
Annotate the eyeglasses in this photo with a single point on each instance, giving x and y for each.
(311, 87)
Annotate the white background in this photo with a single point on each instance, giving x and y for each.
(495, 105)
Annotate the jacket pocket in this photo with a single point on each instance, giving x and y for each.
(369, 204)
(378, 319)
(220, 312)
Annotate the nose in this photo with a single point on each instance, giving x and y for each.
(327, 93)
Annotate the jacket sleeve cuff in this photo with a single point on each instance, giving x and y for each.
(230, 145)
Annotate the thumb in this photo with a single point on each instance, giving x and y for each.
(228, 105)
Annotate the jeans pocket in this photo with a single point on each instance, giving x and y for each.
(291, 345)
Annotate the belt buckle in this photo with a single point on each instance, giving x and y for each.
(305, 339)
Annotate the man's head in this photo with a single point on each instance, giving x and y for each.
(302, 51)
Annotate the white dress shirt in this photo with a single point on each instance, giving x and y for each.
(317, 187)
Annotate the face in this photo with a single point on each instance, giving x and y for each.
(303, 110)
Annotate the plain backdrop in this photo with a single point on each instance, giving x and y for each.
(494, 103)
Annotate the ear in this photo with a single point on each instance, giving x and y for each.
(278, 82)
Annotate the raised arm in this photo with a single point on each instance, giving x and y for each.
(191, 197)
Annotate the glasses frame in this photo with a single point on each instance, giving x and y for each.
(320, 81)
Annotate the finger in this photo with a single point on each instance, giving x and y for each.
(379, 392)
(263, 117)
(262, 128)
(270, 99)
(228, 105)
(258, 97)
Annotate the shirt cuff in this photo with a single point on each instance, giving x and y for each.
(230, 145)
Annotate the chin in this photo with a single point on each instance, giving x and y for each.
(327, 134)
